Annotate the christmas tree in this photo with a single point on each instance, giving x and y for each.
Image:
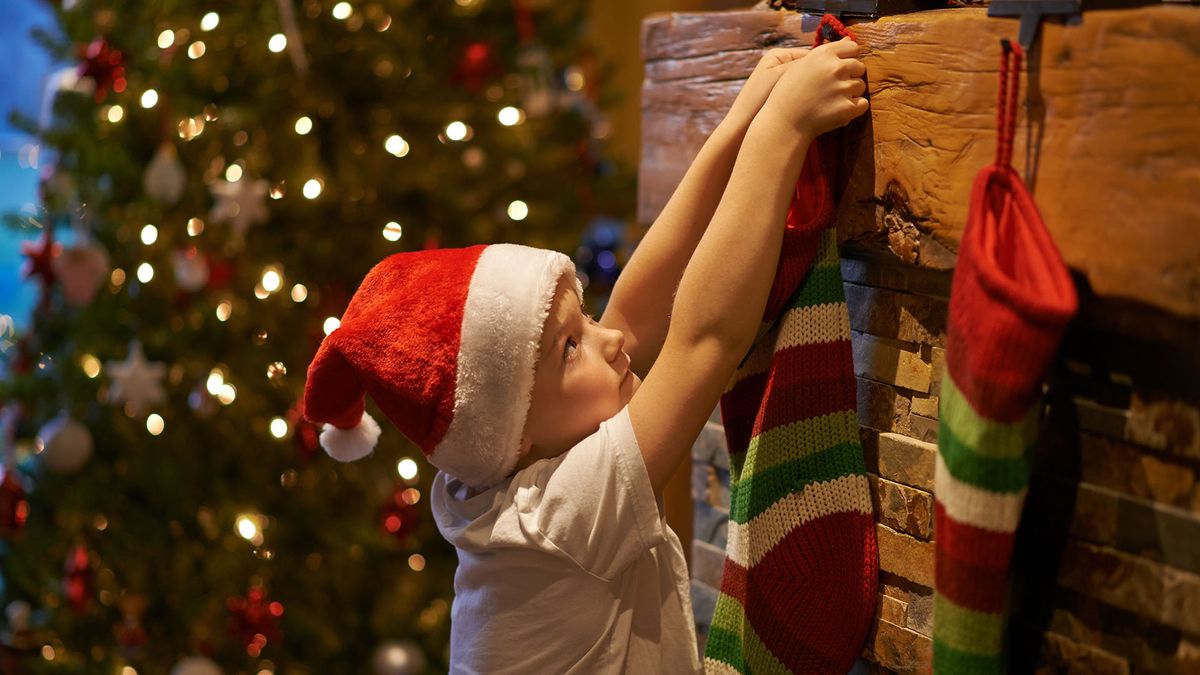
(217, 178)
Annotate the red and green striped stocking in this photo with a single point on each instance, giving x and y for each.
(800, 581)
(1010, 301)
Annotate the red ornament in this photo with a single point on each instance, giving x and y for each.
(400, 516)
(41, 261)
(105, 66)
(254, 620)
(78, 580)
(476, 66)
(14, 508)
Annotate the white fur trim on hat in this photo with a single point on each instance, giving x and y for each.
(347, 445)
(507, 303)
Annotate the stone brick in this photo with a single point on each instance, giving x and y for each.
(881, 407)
(1165, 424)
(902, 508)
(704, 601)
(925, 406)
(905, 460)
(1129, 469)
(883, 361)
(893, 314)
(707, 521)
(920, 612)
(718, 488)
(905, 556)
(708, 563)
(1160, 533)
(1143, 587)
(891, 609)
(1101, 419)
(1147, 645)
(937, 363)
(710, 444)
(923, 428)
(899, 649)
(1060, 655)
(1095, 517)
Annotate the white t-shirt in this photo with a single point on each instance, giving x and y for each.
(568, 567)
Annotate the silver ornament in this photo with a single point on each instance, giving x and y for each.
(66, 444)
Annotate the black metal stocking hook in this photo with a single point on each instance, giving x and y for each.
(1031, 13)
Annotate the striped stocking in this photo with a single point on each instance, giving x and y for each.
(799, 586)
(1009, 304)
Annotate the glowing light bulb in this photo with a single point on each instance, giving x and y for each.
(233, 173)
(342, 11)
(279, 427)
(115, 114)
(210, 21)
(407, 469)
(271, 280)
(149, 234)
(331, 324)
(247, 528)
(223, 311)
(277, 43)
(456, 131)
(299, 293)
(303, 125)
(518, 210)
(396, 145)
(196, 50)
(149, 98)
(510, 116)
(155, 424)
(312, 188)
(392, 231)
(166, 38)
(145, 273)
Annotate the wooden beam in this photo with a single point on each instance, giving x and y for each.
(1109, 140)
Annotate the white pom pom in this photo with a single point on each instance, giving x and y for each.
(347, 445)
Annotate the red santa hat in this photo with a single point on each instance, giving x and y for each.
(445, 342)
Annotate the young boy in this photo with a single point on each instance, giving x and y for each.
(552, 449)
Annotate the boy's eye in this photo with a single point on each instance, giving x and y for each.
(569, 348)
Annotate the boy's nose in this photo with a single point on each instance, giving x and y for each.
(615, 343)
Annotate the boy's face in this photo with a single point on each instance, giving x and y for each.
(582, 378)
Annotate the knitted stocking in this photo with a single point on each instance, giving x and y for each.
(799, 586)
(1009, 304)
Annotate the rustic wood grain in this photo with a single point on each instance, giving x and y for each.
(1109, 142)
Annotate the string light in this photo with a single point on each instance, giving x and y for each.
(392, 231)
(303, 125)
(155, 424)
(342, 11)
(216, 380)
(279, 427)
(416, 561)
(234, 173)
(115, 114)
(117, 277)
(331, 324)
(396, 145)
(510, 116)
(271, 279)
(457, 131)
(166, 38)
(227, 394)
(149, 234)
(91, 365)
(312, 188)
(299, 293)
(149, 98)
(210, 21)
(277, 43)
(250, 527)
(194, 227)
(196, 50)
(224, 309)
(407, 469)
(145, 273)
(518, 210)
(574, 78)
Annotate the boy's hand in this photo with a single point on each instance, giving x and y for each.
(820, 93)
(762, 79)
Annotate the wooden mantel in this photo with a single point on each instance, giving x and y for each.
(1109, 139)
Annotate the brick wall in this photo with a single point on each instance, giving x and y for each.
(1106, 572)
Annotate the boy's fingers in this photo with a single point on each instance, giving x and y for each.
(853, 68)
(845, 48)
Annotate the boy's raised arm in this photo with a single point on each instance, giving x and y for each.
(725, 285)
(641, 301)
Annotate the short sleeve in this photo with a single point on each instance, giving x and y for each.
(595, 503)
